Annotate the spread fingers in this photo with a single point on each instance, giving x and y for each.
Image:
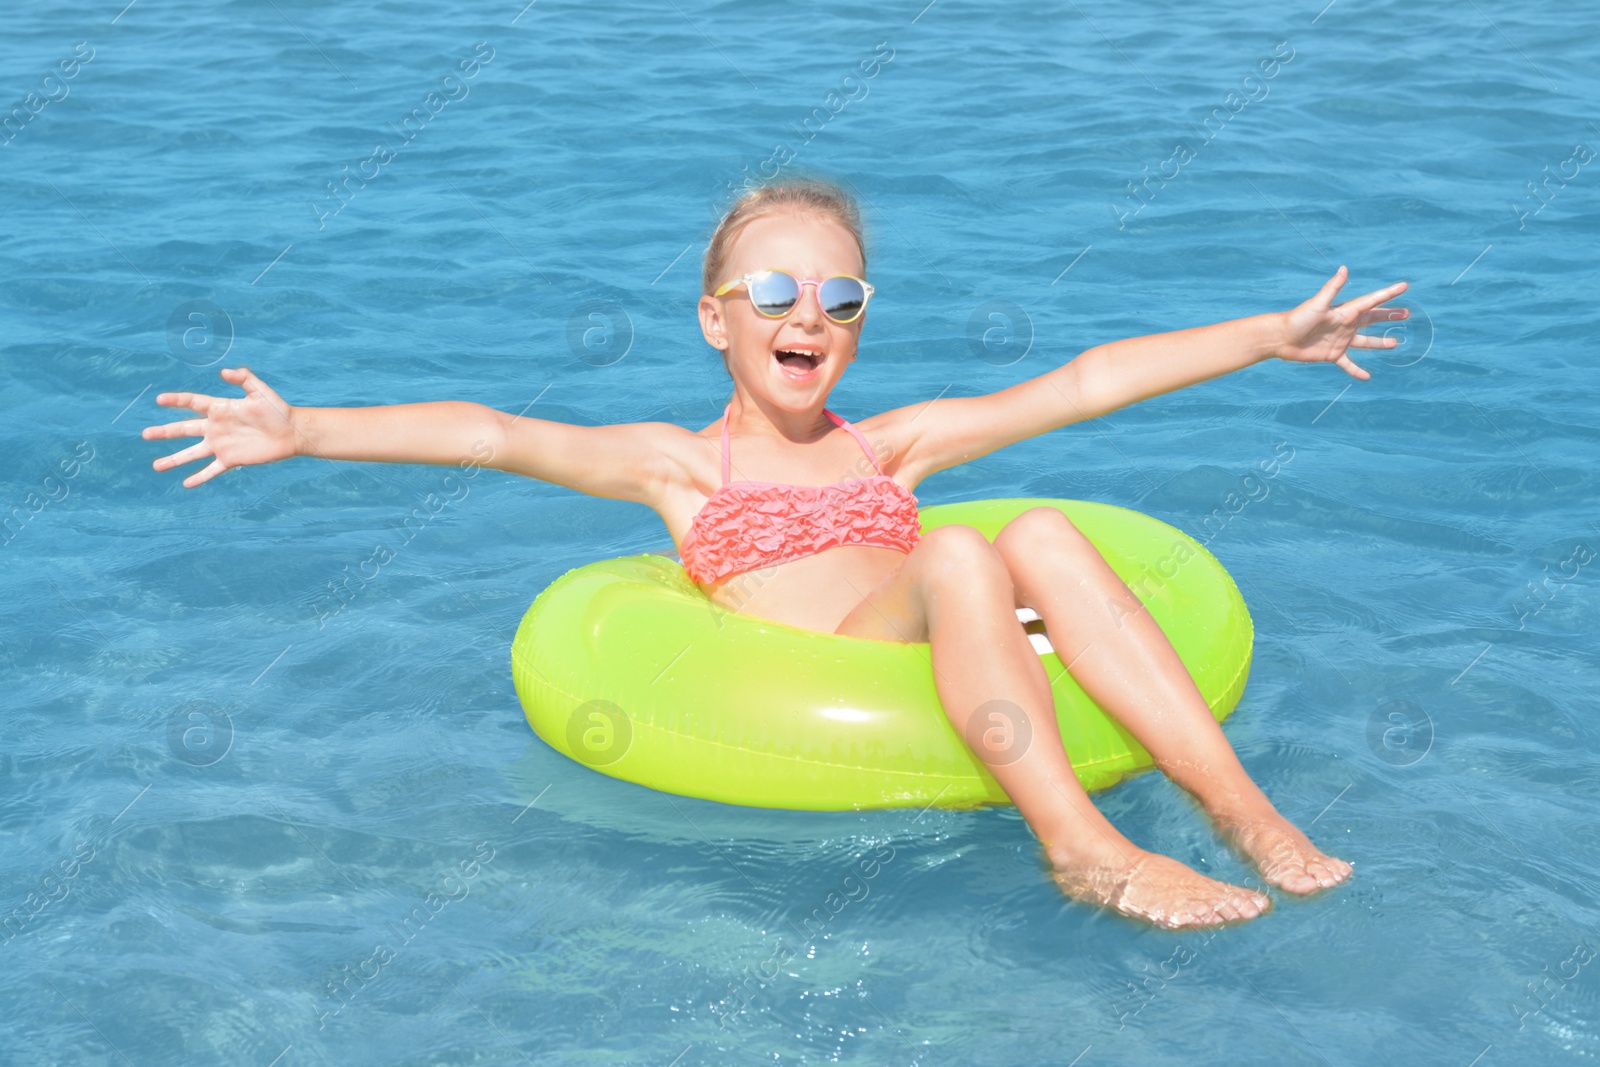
(188, 455)
(193, 401)
(214, 468)
(186, 428)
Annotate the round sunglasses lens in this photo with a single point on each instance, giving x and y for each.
(842, 298)
(774, 293)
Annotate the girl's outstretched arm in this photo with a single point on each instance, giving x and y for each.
(631, 461)
(1111, 376)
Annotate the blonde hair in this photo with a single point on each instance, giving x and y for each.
(805, 196)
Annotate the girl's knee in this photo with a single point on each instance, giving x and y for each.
(961, 555)
(1036, 529)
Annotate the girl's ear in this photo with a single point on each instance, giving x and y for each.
(711, 323)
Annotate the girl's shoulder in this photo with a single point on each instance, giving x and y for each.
(694, 454)
(891, 433)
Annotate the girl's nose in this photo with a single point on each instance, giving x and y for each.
(808, 309)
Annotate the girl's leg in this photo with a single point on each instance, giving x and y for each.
(955, 591)
(1120, 657)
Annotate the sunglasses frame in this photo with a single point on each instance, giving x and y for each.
(744, 280)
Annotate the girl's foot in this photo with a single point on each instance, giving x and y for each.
(1284, 855)
(1156, 889)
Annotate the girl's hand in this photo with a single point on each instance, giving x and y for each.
(235, 432)
(1316, 332)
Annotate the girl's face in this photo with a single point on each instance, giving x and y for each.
(794, 361)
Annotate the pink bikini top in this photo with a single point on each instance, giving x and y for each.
(749, 525)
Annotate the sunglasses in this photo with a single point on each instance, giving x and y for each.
(774, 293)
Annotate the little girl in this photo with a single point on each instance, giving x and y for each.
(784, 300)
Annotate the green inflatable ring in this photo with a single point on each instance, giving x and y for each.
(625, 666)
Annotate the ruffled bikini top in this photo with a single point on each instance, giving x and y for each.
(748, 525)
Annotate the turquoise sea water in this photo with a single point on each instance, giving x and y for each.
(222, 791)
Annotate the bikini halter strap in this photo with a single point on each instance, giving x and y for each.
(837, 421)
(725, 412)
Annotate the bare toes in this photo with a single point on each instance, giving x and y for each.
(1321, 874)
(1285, 856)
(1328, 872)
(1295, 881)
(1163, 892)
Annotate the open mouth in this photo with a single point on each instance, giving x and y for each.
(799, 362)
